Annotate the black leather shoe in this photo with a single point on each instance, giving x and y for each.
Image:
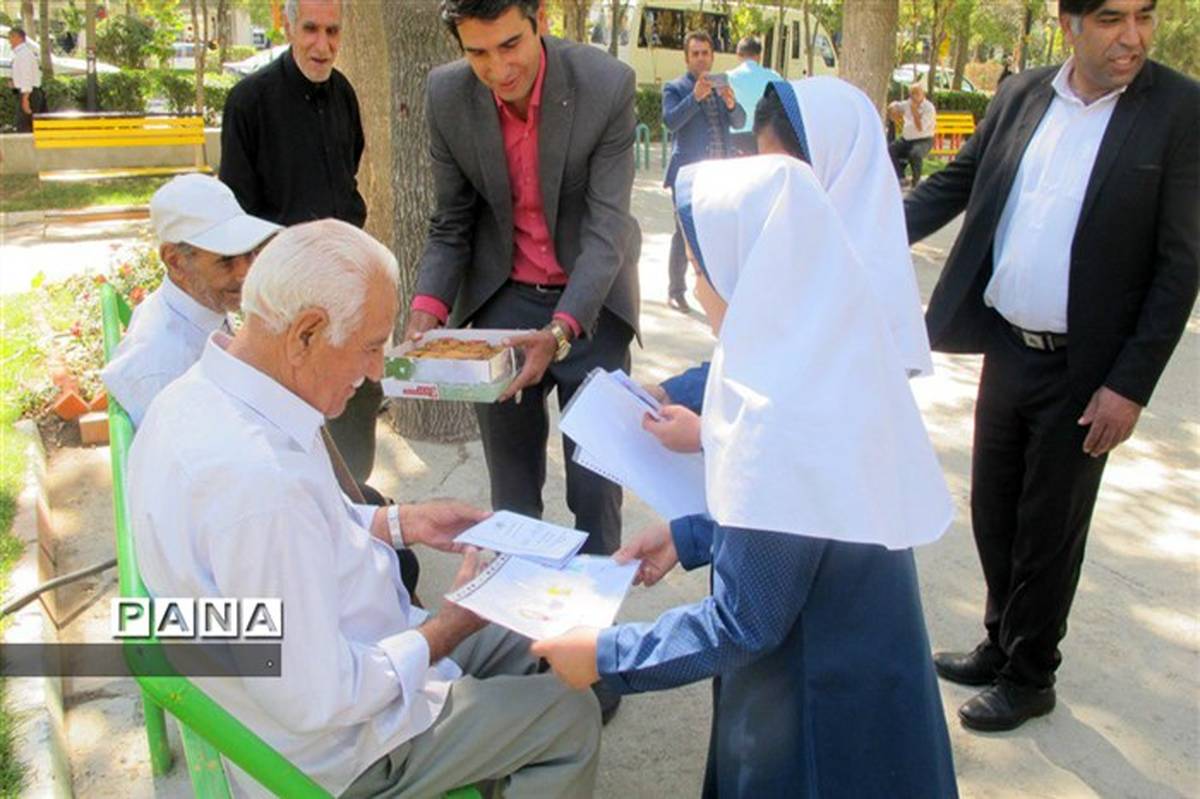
(609, 701)
(679, 303)
(980, 666)
(1005, 706)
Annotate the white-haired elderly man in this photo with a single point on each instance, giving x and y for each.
(232, 494)
(207, 242)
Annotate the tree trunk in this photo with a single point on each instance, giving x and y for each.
(199, 49)
(45, 40)
(388, 51)
(962, 49)
(27, 18)
(618, 24)
(575, 18)
(809, 40)
(89, 11)
(869, 45)
(782, 38)
(223, 31)
(1024, 43)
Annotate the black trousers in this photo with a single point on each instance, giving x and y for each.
(354, 430)
(1032, 494)
(913, 151)
(37, 104)
(515, 434)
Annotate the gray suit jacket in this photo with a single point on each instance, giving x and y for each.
(585, 151)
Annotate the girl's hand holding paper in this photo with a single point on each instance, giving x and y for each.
(677, 429)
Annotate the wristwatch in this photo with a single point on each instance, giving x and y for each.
(562, 339)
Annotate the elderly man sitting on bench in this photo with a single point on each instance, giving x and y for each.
(232, 495)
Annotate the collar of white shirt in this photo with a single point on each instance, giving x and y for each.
(1062, 87)
(279, 406)
(180, 302)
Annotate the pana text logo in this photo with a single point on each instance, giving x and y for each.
(204, 617)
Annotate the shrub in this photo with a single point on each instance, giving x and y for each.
(648, 104)
(126, 90)
(179, 90)
(974, 102)
(239, 52)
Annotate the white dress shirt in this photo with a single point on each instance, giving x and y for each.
(166, 336)
(1032, 252)
(26, 72)
(232, 495)
(928, 117)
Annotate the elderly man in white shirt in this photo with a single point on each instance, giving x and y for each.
(917, 119)
(207, 242)
(232, 494)
(26, 80)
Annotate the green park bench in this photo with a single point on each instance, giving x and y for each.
(207, 730)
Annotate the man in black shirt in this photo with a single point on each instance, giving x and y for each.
(291, 142)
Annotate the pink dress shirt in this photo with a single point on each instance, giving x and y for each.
(534, 260)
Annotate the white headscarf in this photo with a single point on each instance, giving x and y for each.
(809, 426)
(846, 147)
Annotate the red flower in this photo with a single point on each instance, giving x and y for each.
(137, 295)
(100, 279)
(77, 330)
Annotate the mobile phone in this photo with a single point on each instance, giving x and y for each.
(719, 80)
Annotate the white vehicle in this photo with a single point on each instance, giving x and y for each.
(62, 64)
(651, 40)
(908, 74)
(255, 62)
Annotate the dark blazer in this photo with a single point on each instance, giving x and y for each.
(585, 152)
(1135, 258)
(685, 119)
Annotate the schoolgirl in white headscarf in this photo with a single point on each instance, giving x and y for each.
(819, 478)
(837, 131)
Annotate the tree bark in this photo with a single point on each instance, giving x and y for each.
(809, 40)
(44, 39)
(223, 30)
(199, 48)
(388, 51)
(962, 49)
(869, 45)
(618, 23)
(27, 17)
(575, 13)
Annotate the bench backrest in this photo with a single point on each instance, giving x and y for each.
(955, 122)
(59, 131)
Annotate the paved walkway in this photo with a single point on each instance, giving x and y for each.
(1128, 720)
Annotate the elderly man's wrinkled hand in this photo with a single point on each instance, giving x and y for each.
(438, 522)
(572, 656)
(538, 348)
(677, 428)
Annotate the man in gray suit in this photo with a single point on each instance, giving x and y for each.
(531, 140)
(532, 152)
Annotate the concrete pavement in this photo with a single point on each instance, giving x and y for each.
(1128, 721)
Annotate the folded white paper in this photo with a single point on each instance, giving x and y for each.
(541, 602)
(604, 419)
(514, 534)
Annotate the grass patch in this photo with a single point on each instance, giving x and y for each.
(27, 193)
(20, 357)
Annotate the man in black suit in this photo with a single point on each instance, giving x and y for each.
(1074, 274)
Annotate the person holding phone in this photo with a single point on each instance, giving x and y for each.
(700, 110)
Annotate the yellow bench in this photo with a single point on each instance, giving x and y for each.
(951, 130)
(85, 131)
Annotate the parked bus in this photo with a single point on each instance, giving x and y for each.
(651, 38)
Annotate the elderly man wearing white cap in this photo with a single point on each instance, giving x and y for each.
(207, 242)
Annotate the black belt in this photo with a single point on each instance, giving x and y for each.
(541, 288)
(1047, 342)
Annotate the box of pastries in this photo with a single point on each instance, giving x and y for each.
(460, 365)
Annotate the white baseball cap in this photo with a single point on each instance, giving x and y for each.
(202, 211)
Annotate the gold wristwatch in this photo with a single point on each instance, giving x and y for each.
(562, 339)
